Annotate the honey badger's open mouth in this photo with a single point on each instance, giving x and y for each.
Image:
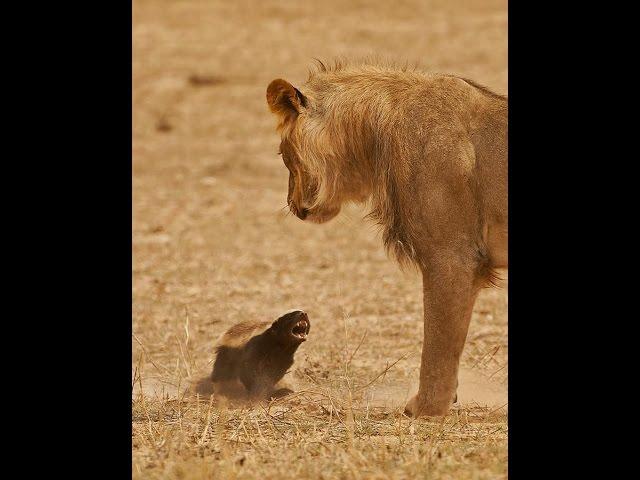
(300, 329)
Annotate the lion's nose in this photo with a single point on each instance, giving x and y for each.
(302, 214)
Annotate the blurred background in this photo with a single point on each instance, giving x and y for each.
(212, 243)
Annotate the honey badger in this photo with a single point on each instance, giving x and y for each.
(258, 354)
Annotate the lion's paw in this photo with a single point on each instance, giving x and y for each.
(415, 408)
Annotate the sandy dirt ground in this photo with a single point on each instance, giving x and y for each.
(213, 245)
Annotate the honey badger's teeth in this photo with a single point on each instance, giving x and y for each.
(300, 329)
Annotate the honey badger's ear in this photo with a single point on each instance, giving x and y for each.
(285, 100)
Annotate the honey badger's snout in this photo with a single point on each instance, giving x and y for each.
(296, 323)
(301, 327)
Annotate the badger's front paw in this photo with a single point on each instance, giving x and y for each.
(279, 393)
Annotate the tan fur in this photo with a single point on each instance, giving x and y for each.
(241, 332)
(429, 152)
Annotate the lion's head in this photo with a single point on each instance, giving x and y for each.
(316, 185)
(302, 197)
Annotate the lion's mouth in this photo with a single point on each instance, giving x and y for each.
(301, 213)
(300, 329)
(318, 216)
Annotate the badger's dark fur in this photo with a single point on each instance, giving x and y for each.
(257, 355)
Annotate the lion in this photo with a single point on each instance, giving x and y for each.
(429, 153)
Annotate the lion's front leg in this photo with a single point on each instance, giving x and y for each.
(450, 289)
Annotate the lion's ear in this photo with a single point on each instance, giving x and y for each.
(285, 100)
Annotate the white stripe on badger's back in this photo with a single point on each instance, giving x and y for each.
(237, 335)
